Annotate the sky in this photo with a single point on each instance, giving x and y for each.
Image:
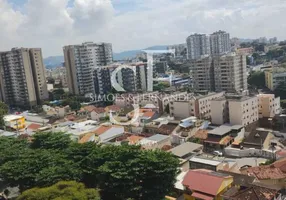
(133, 24)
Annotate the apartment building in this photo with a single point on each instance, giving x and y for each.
(80, 60)
(220, 73)
(130, 80)
(268, 105)
(198, 45)
(220, 43)
(23, 81)
(275, 77)
(243, 110)
(202, 73)
(194, 105)
(219, 111)
(230, 73)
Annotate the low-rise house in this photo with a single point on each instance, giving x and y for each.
(113, 109)
(253, 193)
(8, 134)
(15, 122)
(102, 134)
(258, 139)
(273, 175)
(32, 128)
(205, 184)
(58, 111)
(98, 113)
(223, 136)
(187, 150)
(205, 163)
(155, 142)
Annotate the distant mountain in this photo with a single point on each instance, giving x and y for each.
(132, 53)
(56, 61)
(53, 61)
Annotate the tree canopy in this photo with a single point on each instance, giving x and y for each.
(120, 172)
(257, 79)
(3, 111)
(64, 190)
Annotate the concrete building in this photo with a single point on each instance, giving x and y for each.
(275, 77)
(268, 105)
(198, 106)
(230, 73)
(202, 74)
(220, 43)
(128, 79)
(80, 60)
(180, 49)
(220, 73)
(198, 45)
(23, 80)
(243, 110)
(219, 111)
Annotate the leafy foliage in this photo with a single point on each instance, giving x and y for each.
(64, 190)
(3, 111)
(121, 172)
(257, 79)
(280, 90)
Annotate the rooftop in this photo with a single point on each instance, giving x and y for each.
(221, 130)
(158, 137)
(185, 148)
(255, 139)
(205, 181)
(12, 117)
(255, 193)
(205, 161)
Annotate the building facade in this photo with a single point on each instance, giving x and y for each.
(220, 73)
(198, 45)
(80, 60)
(23, 80)
(202, 73)
(275, 77)
(130, 80)
(230, 73)
(268, 105)
(243, 110)
(193, 105)
(220, 43)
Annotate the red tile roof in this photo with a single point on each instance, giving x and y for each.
(201, 134)
(99, 110)
(149, 114)
(34, 126)
(112, 108)
(255, 193)
(202, 196)
(89, 108)
(276, 170)
(205, 181)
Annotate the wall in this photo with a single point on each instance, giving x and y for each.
(248, 153)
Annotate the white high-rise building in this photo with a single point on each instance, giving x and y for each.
(80, 60)
(23, 79)
(198, 45)
(220, 43)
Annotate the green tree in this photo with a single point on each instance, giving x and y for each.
(64, 190)
(51, 140)
(3, 111)
(257, 79)
(280, 90)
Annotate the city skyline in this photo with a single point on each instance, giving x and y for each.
(132, 24)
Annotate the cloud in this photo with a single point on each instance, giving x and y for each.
(51, 24)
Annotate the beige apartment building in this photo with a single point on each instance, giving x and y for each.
(81, 60)
(219, 111)
(230, 73)
(243, 110)
(220, 73)
(23, 81)
(268, 105)
(195, 105)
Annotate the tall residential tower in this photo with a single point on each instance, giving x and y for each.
(81, 60)
(198, 45)
(23, 81)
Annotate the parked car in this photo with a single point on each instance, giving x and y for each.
(217, 153)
